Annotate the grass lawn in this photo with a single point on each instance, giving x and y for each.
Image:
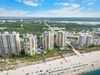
(26, 58)
(51, 53)
(89, 49)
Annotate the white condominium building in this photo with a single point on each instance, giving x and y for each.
(30, 44)
(89, 40)
(82, 40)
(48, 40)
(61, 38)
(85, 40)
(9, 43)
(96, 42)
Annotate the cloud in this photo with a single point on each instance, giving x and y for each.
(67, 4)
(66, 12)
(75, 5)
(91, 3)
(5, 12)
(62, 3)
(63, 12)
(29, 2)
(69, 10)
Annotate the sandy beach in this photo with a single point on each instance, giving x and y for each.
(72, 66)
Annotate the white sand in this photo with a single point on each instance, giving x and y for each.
(74, 65)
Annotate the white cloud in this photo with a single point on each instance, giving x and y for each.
(67, 4)
(75, 5)
(62, 3)
(63, 12)
(5, 12)
(72, 10)
(91, 3)
(29, 2)
(66, 12)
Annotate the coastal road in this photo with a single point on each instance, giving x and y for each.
(48, 26)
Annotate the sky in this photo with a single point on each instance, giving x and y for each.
(50, 8)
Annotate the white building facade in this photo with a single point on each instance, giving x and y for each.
(61, 38)
(10, 43)
(89, 40)
(85, 40)
(48, 40)
(96, 42)
(30, 44)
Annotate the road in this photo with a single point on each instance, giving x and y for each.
(48, 26)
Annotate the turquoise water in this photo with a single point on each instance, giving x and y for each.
(95, 72)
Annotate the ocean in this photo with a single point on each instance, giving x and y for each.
(95, 72)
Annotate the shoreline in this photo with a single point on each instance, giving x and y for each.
(73, 65)
(86, 70)
(25, 64)
(89, 69)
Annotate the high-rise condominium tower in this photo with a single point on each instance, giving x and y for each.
(48, 40)
(61, 38)
(85, 40)
(9, 43)
(30, 44)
